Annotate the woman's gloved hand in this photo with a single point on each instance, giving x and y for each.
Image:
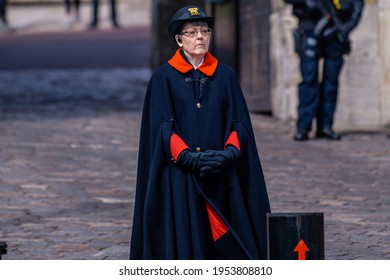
(189, 160)
(212, 162)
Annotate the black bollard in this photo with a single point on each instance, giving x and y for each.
(3, 249)
(295, 236)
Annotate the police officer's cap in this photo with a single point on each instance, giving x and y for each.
(186, 14)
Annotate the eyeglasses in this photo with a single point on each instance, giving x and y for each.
(194, 32)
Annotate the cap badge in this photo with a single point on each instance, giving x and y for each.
(193, 11)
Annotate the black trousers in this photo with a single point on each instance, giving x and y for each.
(69, 5)
(3, 5)
(318, 97)
(95, 18)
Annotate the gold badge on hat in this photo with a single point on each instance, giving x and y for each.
(194, 11)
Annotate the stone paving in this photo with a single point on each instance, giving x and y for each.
(68, 150)
(67, 165)
(348, 181)
(38, 17)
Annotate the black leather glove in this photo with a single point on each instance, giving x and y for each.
(212, 162)
(189, 160)
(209, 166)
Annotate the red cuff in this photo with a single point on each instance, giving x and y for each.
(177, 145)
(233, 140)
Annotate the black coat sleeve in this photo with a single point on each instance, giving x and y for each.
(355, 14)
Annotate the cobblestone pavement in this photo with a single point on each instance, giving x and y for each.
(67, 163)
(39, 17)
(68, 149)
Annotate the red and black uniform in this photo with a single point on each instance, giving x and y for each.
(179, 214)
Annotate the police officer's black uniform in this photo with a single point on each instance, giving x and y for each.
(95, 14)
(324, 26)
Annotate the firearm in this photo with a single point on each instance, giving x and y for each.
(329, 12)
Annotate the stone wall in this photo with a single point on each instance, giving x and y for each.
(364, 98)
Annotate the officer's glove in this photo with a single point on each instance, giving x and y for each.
(212, 162)
(189, 160)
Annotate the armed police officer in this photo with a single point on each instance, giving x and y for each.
(323, 33)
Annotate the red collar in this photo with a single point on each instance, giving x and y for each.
(208, 66)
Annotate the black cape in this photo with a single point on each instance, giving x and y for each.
(170, 219)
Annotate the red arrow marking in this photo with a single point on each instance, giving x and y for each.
(301, 249)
